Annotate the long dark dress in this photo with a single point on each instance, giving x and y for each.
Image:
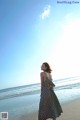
(49, 106)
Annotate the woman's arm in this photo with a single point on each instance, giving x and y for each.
(42, 79)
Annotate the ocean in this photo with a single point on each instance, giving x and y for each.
(21, 100)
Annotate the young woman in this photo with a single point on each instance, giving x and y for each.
(49, 106)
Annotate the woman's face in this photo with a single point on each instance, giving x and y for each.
(43, 67)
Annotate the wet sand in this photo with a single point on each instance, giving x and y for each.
(71, 111)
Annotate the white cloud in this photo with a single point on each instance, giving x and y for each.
(45, 12)
(68, 16)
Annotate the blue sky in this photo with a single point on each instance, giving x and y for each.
(32, 32)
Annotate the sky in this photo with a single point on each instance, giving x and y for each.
(37, 31)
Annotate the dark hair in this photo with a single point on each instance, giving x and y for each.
(48, 67)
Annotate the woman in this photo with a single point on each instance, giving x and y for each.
(49, 106)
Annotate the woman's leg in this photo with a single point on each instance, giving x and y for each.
(50, 119)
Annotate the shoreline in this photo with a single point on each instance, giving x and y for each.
(70, 112)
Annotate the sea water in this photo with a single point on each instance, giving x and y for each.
(22, 100)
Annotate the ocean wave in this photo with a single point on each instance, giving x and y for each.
(35, 88)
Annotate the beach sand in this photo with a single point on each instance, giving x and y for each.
(71, 111)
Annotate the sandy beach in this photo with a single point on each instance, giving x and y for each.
(71, 111)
